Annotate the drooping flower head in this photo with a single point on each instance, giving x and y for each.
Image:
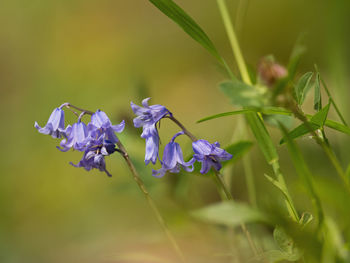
(100, 120)
(96, 140)
(147, 118)
(210, 155)
(94, 155)
(76, 137)
(55, 124)
(173, 159)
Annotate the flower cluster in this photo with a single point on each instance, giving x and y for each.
(96, 140)
(209, 155)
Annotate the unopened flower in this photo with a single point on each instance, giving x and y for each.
(209, 155)
(55, 124)
(173, 159)
(270, 71)
(148, 117)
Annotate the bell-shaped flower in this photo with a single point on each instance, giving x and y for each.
(148, 117)
(173, 159)
(76, 137)
(209, 155)
(94, 155)
(55, 124)
(100, 120)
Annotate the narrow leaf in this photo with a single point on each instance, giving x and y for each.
(317, 96)
(229, 213)
(337, 126)
(280, 186)
(263, 138)
(265, 110)
(302, 87)
(306, 218)
(242, 94)
(316, 122)
(320, 117)
(223, 115)
(180, 17)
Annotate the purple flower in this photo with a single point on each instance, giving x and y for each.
(100, 120)
(94, 156)
(209, 155)
(76, 137)
(147, 117)
(55, 124)
(173, 159)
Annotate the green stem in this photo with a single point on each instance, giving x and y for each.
(233, 41)
(333, 102)
(150, 201)
(228, 196)
(288, 199)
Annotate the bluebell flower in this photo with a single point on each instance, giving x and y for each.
(76, 137)
(55, 124)
(173, 159)
(94, 155)
(100, 120)
(148, 117)
(209, 155)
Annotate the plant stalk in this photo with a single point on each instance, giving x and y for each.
(150, 201)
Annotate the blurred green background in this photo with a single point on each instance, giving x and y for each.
(104, 54)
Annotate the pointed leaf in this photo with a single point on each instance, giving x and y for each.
(316, 122)
(306, 218)
(302, 87)
(180, 17)
(242, 94)
(264, 110)
(278, 185)
(263, 138)
(229, 213)
(317, 96)
(320, 117)
(337, 126)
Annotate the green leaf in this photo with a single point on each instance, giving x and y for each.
(229, 213)
(223, 115)
(302, 87)
(286, 244)
(317, 96)
(180, 17)
(320, 117)
(263, 138)
(306, 218)
(242, 94)
(337, 126)
(265, 110)
(276, 183)
(316, 122)
(274, 256)
(238, 149)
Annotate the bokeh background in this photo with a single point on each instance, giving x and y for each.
(104, 54)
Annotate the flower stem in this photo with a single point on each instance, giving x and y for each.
(68, 105)
(221, 185)
(233, 41)
(187, 132)
(228, 196)
(150, 201)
